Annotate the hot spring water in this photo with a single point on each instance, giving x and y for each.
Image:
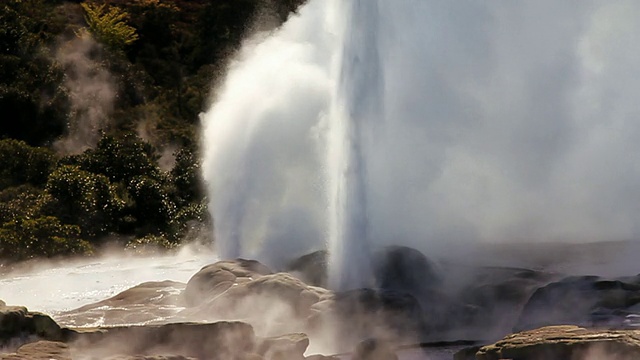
(55, 287)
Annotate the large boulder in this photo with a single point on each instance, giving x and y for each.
(321, 357)
(216, 341)
(140, 304)
(18, 322)
(150, 357)
(213, 280)
(499, 295)
(40, 350)
(273, 304)
(311, 268)
(565, 342)
(374, 349)
(404, 269)
(368, 313)
(288, 347)
(579, 300)
(468, 353)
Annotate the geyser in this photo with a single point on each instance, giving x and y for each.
(430, 124)
(356, 106)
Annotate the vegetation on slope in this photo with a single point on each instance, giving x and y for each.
(100, 104)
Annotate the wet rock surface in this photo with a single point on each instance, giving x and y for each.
(221, 340)
(215, 279)
(148, 302)
(494, 299)
(311, 268)
(376, 313)
(40, 350)
(565, 342)
(582, 300)
(18, 322)
(290, 347)
(151, 357)
(404, 269)
(274, 304)
(374, 349)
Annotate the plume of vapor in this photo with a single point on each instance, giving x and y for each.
(505, 122)
(92, 92)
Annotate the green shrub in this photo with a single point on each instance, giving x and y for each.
(187, 178)
(153, 207)
(120, 159)
(109, 25)
(85, 199)
(44, 236)
(150, 243)
(23, 164)
(24, 201)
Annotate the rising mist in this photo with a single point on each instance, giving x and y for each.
(503, 122)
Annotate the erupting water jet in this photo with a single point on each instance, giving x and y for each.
(358, 101)
(432, 124)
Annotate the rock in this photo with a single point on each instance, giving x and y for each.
(273, 304)
(45, 327)
(140, 304)
(40, 350)
(374, 349)
(311, 268)
(321, 357)
(12, 321)
(565, 342)
(468, 353)
(282, 287)
(289, 347)
(364, 313)
(151, 357)
(577, 301)
(499, 295)
(512, 291)
(221, 340)
(404, 269)
(18, 322)
(213, 280)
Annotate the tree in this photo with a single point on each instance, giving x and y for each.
(153, 207)
(186, 177)
(24, 164)
(33, 102)
(120, 159)
(44, 236)
(24, 201)
(85, 199)
(108, 25)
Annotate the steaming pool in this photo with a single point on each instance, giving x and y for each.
(54, 288)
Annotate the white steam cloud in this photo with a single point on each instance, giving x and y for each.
(92, 93)
(504, 121)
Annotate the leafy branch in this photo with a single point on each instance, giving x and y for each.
(109, 26)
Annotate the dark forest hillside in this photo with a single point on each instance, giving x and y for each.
(100, 106)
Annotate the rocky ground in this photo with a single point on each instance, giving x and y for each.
(561, 342)
(241, 309)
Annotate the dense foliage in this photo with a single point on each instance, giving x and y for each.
(135, 75)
